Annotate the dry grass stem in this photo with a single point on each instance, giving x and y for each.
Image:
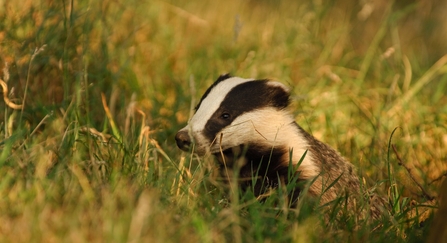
(413, 178)
(8, 102)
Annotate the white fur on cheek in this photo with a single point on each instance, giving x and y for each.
(264, 126)
(269, 127)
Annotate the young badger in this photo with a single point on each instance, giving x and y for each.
(248, 118)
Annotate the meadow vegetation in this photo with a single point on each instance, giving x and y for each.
(94, 92)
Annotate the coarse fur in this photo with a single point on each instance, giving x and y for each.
(247, 120)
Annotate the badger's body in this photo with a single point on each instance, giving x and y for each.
(248, 118)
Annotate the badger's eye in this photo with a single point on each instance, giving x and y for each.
(225, 116)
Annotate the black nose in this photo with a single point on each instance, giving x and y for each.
(183, 140)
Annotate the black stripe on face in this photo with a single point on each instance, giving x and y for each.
(244, 98)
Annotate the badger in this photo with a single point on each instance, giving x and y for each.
(248, 120)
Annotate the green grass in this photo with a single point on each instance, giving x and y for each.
(132, 70)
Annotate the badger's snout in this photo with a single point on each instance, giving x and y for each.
(183, 140)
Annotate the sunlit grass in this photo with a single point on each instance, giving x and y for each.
(97, 90)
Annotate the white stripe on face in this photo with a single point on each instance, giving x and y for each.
(211, 103)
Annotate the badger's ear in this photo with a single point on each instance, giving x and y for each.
(280, 94)
(277, 84)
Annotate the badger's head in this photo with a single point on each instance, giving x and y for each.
(237, 112)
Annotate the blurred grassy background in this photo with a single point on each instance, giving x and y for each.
(131, 70)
